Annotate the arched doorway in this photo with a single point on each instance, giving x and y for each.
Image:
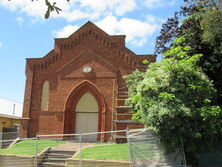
(75, 105)
(87, 113)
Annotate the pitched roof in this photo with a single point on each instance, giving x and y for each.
(87, 25)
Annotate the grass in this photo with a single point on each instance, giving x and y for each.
(114, 151)
(110, 151)
(99, 151)
(28, 147)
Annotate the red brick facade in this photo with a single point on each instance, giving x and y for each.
(62, 68)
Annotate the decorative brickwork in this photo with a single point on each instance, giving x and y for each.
(107, 60)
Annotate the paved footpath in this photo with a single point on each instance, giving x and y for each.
(71, 146)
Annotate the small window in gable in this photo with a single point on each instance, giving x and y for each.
(45, 96)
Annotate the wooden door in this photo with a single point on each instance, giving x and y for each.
(87, 112)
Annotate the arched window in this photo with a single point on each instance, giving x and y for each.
(45, 96)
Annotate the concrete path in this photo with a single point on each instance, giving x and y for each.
(72, 146)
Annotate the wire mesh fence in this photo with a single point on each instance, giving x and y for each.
(8, 138)
(20, 153)
(123, 148)
(146, 151)
(87, 149)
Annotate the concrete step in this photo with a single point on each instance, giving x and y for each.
(123, 116)
(49, 164)
(123, 107)
(123, 92)
(147, 139)
(55, 158)
(60, 160)
(124, 126)
(57, 155)
(126, 121)
(123, 96)
(123, 88)
(121, 99)
(124, 113)
(63, 152)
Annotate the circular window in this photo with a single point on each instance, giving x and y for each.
(87, 69)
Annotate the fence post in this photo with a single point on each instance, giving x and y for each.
(80, 149)
(184, 156)
(129, 147)
(36, 151)
(1, 140)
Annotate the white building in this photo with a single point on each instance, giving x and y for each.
(10, 120)
(10, 108)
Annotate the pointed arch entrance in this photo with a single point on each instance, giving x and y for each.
(85, 110)
(86, 121)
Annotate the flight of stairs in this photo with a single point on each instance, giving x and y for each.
(55, 158)
(122, 119)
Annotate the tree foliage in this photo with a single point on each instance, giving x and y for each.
(194, 11)
(201, 28)
(177, 100)
(51, 8)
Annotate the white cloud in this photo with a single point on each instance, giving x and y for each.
(126, 6)
(109, 25)
(19, 20)
(136, 31)
(158, 21)
(1, 44)
(31, 8)
(83, 9)
(152, 19)
(73, 15)
(119, 7)
(159, 3)
(74, 9)
(66, 31)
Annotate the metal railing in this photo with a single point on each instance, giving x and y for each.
(123, 148)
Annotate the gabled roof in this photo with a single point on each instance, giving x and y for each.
(86, 34)
(88, 24)
(91, 26)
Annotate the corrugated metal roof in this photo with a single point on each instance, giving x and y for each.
(10, 108)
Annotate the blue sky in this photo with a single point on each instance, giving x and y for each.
(24, 33)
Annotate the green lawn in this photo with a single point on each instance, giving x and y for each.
(113, 151)
(99, 151)
(28, 147)
(110, 151)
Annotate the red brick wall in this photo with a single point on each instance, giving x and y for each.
(62, 67)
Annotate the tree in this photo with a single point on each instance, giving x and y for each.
(201, 27)
(176, 99)
(173, 27)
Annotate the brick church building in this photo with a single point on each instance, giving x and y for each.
(78, 86)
